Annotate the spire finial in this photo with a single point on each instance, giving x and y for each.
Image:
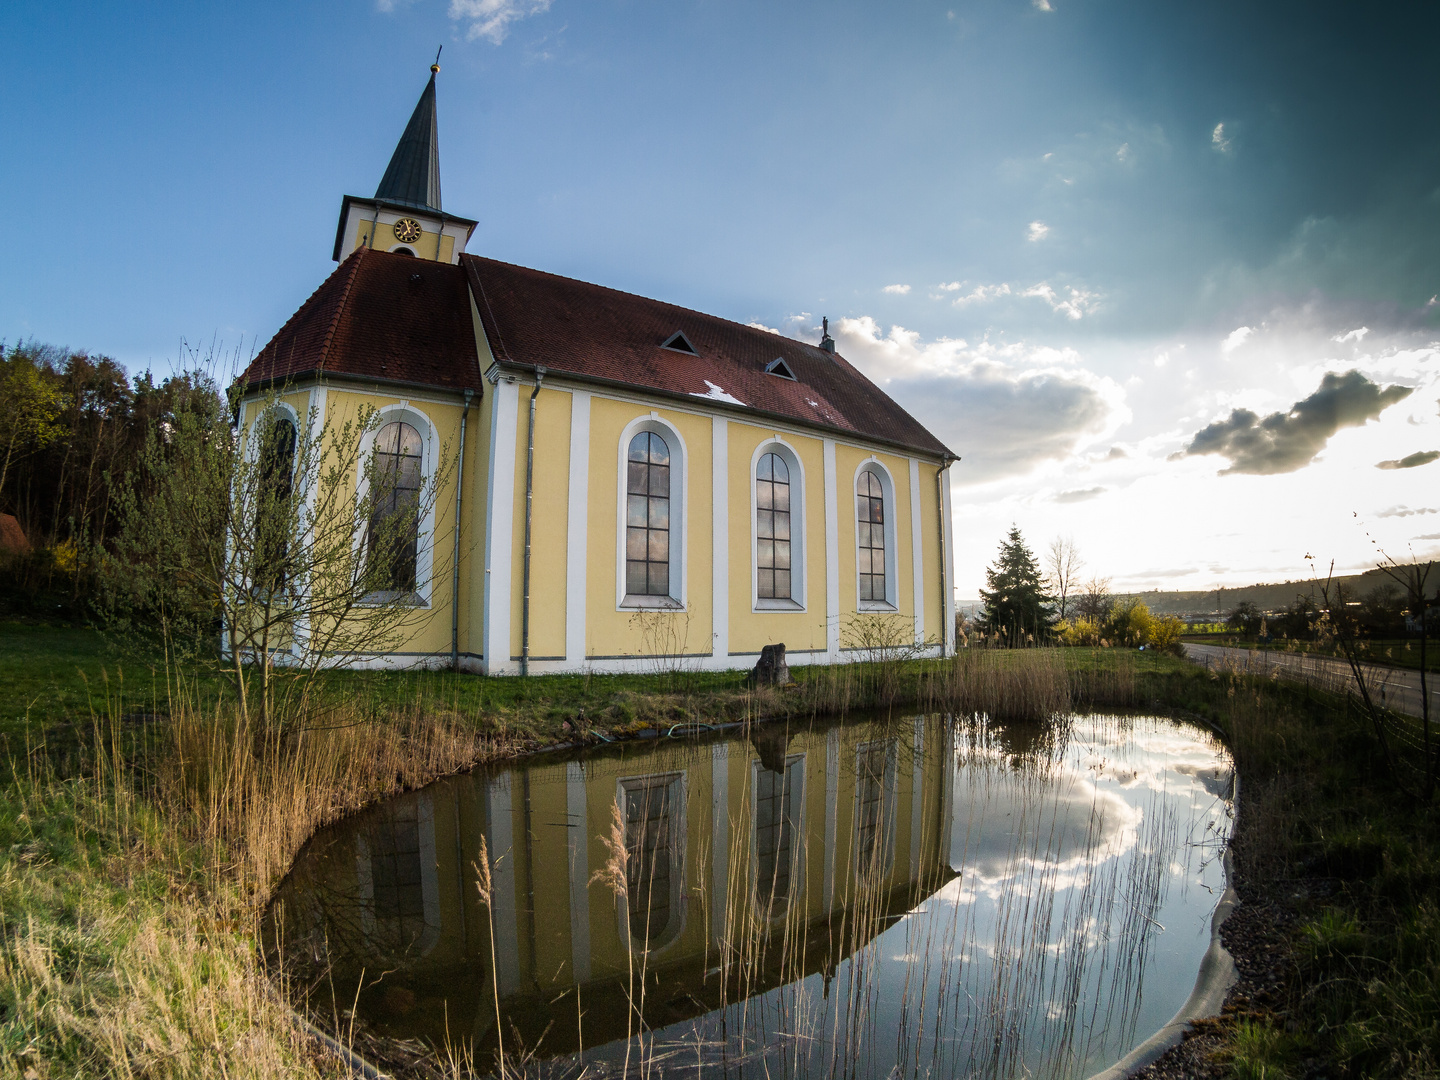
(826, 341)
(435, 67)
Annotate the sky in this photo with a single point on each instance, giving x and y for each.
(1166, 277)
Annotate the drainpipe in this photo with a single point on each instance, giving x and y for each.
(529, 502)
(945, 631)
(455, 576)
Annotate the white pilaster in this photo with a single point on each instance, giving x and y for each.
(500, 527)
(832, 806)
(498, 805)
(578, 529)
(832, 556)
(917, 807)
(578, 839)
(917, 551)
(947, 523)
(720, 537)
(719, 892)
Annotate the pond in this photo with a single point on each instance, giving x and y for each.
(926, 896)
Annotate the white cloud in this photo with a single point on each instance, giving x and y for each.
(1356, 335)
(900, 290)
(1123, 155)
(1004, 408)
(1042, 5)
(1218, 139)
(491, 19)
(981, 293)
(1036, 231)
(1237, 338)
(1075, 304)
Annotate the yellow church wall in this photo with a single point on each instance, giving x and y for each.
(477, 498)
(933, 599)
(848, 460)
(627, 632)
(424, 248)
(750, 629)
(549, 510)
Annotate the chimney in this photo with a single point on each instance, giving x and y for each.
(826, 341)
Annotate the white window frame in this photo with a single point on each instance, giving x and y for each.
(405, 412)
(892, 562)
(679, 834)
(679, 516)
(798, 593)
(798, 848)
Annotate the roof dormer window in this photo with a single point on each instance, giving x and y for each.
(678, 342)
(780, 368)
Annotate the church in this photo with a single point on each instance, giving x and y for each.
(636, 485)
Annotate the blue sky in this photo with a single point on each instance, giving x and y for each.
(1122, 257)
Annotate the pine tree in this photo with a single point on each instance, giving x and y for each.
(1017, 607)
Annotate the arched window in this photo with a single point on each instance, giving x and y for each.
(772, 529)
(870, 542)
(394, 534)
(275, 483)
(653, 905)
(779, 808)
(647, 516)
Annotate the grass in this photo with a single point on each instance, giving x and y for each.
(142, 829)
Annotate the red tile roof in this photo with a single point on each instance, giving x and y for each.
(380, 316)
(373, 319)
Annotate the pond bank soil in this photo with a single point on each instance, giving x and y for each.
(1258, 936)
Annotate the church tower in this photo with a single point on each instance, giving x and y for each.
(405, 216)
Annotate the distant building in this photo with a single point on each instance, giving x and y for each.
(757, 488)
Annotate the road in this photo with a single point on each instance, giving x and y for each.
(1395, 687)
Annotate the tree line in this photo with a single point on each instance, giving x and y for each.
(1028, 604)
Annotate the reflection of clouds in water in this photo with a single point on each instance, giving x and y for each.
(1003, 832)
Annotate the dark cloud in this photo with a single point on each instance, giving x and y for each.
(1079, 495)
(1410, 461)
(1286, 441)
(1116, 453)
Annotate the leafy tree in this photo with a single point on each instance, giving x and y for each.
(1244, 619)
(1017, 605)
(30, 402)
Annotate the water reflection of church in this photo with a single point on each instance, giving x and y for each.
(749, 863)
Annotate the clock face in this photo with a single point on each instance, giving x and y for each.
(407, 230)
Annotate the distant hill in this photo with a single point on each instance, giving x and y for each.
(1266, 597)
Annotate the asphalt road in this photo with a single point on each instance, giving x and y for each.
(1395, 687)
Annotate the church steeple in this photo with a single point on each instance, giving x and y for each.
(413, 175)
(405, 216)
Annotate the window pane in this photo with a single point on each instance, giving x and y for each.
(765, 471)
(782, 496)
(782, 526)
(659, 579)
(635, 578)
(765, 523)
(782, 554)
(640, 447)
(764, 552)
(782, 583)
(659, 513)
(635, 510)
(765, 584)
(659, 452)
(635, 543)
(659, 480)
(877, 510)
(782, 471)
(659, 546)
(765, 495)
(635, 477)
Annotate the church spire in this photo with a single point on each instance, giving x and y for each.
(413, 175)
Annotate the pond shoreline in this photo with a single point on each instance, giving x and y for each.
(1215, 975)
